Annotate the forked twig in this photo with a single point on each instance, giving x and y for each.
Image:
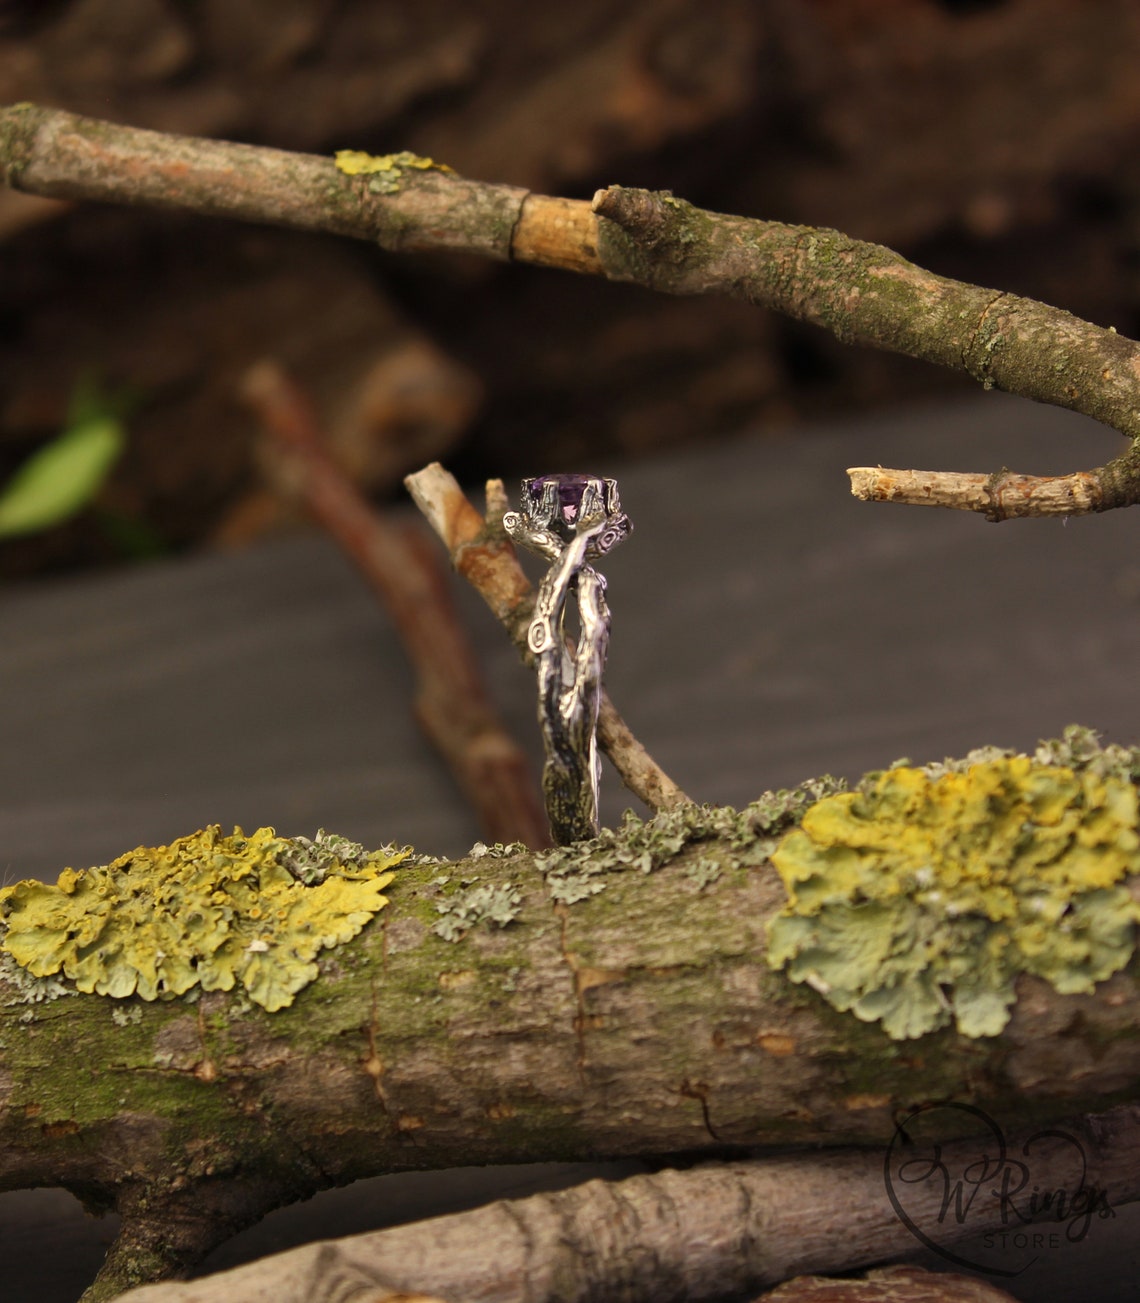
(483, 555)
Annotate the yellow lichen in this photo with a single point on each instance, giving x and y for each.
(355, 162)
(385, 169)
(920, 898)
(207, 911)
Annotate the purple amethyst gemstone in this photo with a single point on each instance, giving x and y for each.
(569, 491)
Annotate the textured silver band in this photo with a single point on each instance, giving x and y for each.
(571, 521)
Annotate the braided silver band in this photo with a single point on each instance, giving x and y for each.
(571, 521)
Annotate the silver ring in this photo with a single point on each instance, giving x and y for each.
(571, 521)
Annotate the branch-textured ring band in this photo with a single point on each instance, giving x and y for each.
(571, 521)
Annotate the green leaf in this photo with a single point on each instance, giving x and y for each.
(61, 478)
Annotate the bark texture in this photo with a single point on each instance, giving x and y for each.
(717, 1231)
(867, 294)
(639, 1020)
(861, 292)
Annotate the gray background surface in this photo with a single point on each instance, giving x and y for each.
(766, 627)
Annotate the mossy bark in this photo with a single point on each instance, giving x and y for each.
(47, 150)
(866, 293)
(640, 1020)
(862, 292)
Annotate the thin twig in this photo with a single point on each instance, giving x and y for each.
(451, 702)
(863, 293)
(999, 496)
(483, 555)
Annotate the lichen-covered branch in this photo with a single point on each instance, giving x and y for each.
(62, 155)
(451, 703)
(863, 293)
(867, 294)
(485, 557)
(701, 1235)
(201, 1032)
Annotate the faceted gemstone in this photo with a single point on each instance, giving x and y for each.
(569, 490)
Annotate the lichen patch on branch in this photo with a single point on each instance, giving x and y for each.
(580, 870)
(206, 912)
(386, 170)
(479, 903)
(921, 896)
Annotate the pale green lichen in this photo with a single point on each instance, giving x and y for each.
(22, 987)
(569, 888)
(1078, 747)
(1081, 748)
(703, 872)
(637, 845)
(580, 870)
(311, 860)
(499, 851)
(921, 896)
(386, 170)
(208, 912)
(488, 903)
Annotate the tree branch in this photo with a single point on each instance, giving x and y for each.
(705, 1234)
(1004, 495)
(601, 1001)
(485, 557)
(863, 293)
(451, 703)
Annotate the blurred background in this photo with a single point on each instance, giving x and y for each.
(178, 647)
(991, 140)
